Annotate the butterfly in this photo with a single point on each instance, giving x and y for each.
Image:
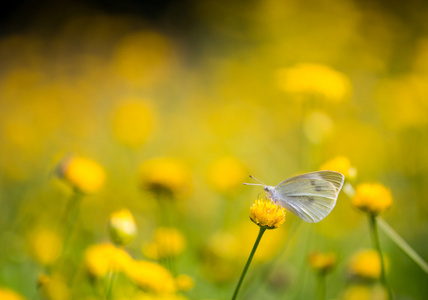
(310, 196)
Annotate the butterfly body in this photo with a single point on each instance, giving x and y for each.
(311, 196)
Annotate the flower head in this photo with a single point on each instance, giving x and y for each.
(322, 262)
(266, 214)
(6, 294)
(151, 276)
(168, 242)
(226, 174)
(184, 282)
(372, 198)
(166, 174)
(366, 264)
(314, 79)
(45, 246)
(122, 227)
(342, 165)
(100, 258)
(83, 174)
(54, 287)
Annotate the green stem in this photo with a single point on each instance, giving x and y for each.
(250, 258)
(70, 216)
(321, 286)
(398, 240)
(111, 276)
(376, 243)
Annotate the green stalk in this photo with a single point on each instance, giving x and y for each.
(398, 240)
(376, 243)
(321, 286)
(250, 258)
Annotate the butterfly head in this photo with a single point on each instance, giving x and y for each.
(269, 190)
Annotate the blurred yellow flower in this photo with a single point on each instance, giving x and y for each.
(151, 277)
(184, 282)
(45, 245)
(372, 198)
(365, 292)
(122, 227)
(53, 288)
(314, 79)
(226, 174)
(266, 214)
(132, 122)
(102, 258)
(322, 262)
(366, 264)
(342, 165)
(165, 174)
(85, 175)
(168, 242)
(7, 294)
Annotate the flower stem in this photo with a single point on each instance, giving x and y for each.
(250, 258)
(398, 240)
(376, 243)
(321, 286)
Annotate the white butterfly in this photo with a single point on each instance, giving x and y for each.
(310, 196)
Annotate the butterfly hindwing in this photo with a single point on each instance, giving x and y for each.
(310, 196)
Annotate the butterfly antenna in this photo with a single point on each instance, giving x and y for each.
(258, 184)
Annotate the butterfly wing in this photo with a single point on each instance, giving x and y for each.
(310, 196)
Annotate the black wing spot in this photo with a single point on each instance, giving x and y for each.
(313, 182)
(318, 188)
(311, 199)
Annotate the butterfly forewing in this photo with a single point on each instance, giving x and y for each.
(310, 196)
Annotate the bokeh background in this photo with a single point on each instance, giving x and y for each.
(224, 89)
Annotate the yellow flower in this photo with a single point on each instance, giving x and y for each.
(6, 294)
(166, 174)
(314, 79)
(372, 198)
(101, 258)
(53, 288)
(132, 122)
(45, 246)
(184, 282)
(342, 165)
(122, 227)
(366, 264)
(83, 174)
(168, 242)
(322, 262)
(151, 276)
(365, 292)
(226, 174)
(266, 214)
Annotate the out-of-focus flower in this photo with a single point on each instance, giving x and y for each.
(7, 294)
(168, 242)
(102, 258)
(342, 165)
(152, 277)
(317, 126)
(365, 292)
(132, 122)
(266, 214)
(372, 198)
(83, 174)
(53, 288)
(184, 282)
(165, 174)
(45, 246)
(314, 79)
(322, 263)
(122, 227)
(366, 264)
(226, 174)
